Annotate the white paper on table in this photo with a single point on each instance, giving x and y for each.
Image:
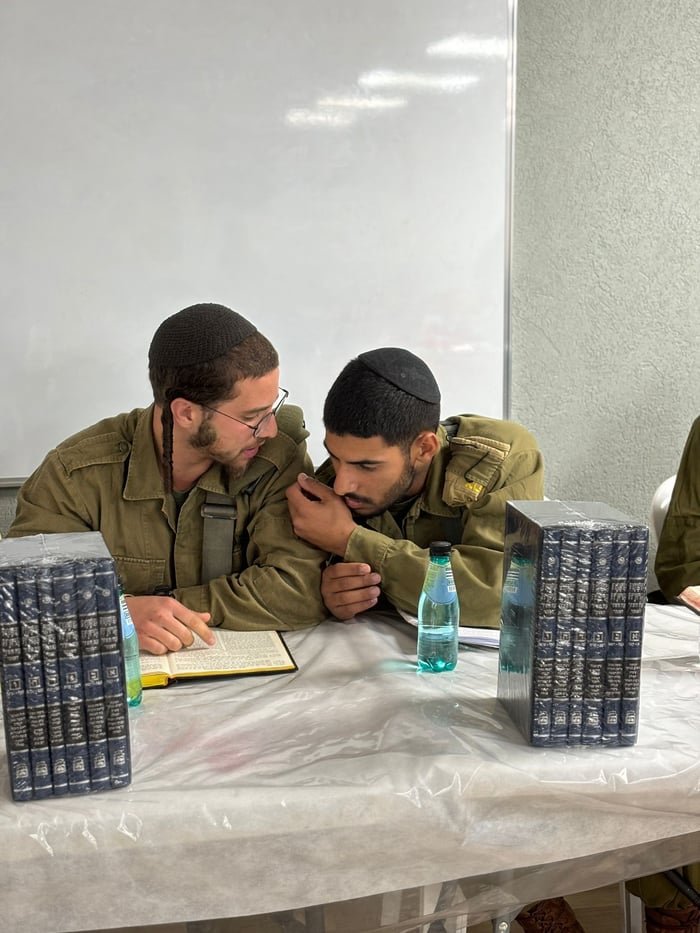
(468, 634)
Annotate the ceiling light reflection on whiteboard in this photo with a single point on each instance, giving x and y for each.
(466, 46)
(335, 119)
(361, 102)
(450, 83)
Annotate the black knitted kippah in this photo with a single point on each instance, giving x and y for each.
(197, 334)
(404, 370)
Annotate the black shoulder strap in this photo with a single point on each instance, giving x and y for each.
(683, 885)
(452, 528)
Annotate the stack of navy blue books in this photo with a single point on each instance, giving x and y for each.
(64, 702)
(572, 622)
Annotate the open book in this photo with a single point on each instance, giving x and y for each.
(233, 654)
(690, 596)
(467, 634)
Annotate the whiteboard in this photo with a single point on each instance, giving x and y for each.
(337, 172)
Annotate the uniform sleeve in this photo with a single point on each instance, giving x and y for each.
(50, 502)
(678, 555)
(280, 587)
(477, 561)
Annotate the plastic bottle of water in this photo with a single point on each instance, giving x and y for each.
(130, 648)
(516, 612)
(438, 613)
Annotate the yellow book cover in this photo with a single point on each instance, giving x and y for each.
(234, 654)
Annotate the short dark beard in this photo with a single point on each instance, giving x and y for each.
(396, 492)
(204, 439)
(205, 436)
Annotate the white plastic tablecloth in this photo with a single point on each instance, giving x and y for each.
(353, 776)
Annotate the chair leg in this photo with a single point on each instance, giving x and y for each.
(632, 913)
(443, 902)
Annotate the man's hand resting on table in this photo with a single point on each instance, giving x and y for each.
(164, 624)
(349, 589)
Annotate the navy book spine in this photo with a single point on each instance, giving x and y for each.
(617, 613)
(545, 630)
(93, 687)
(71, 677)
(52, 682)
(35, 694)
(562, 646)
(597, 639)
(13, 696)
(579, 636)
(114, 679)
(634, 630)
(600, 689)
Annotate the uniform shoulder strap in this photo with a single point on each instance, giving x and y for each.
(219, 514)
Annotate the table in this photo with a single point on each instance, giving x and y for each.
(355, 776)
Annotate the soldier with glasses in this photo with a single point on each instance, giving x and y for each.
(189, 493)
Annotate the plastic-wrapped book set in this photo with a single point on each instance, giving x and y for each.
(574, 593)
(61, 668)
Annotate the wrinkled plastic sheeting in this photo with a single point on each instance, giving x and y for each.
(355, 776)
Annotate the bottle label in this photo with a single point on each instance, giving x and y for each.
(127, 622)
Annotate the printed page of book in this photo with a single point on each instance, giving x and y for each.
(155, 669)
(233, 653)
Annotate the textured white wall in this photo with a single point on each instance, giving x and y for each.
(606, 242)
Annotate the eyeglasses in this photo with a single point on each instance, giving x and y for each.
(264, 421)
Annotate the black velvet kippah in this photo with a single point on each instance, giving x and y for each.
(404, 370)
(198, 334)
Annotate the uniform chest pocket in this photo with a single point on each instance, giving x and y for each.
(140, 576)
(473, 469)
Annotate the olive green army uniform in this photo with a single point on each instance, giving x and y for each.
(481, 464)
(678, 555)
(107, 479)
(677, 566)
